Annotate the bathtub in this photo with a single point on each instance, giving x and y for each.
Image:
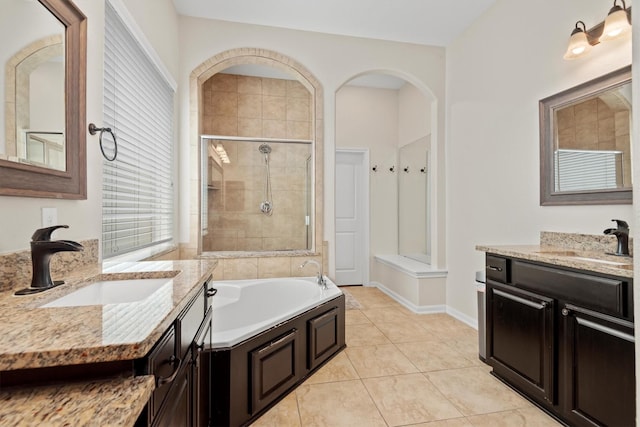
(245, 308)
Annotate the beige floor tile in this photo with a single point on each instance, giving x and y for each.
(355, 317)
(444, 325)
(386, 315)
(526, 417)
(379, 360)
(337, 369)
(432, 355)
(284, 414)
(345, 403)
(405, 331)
(468, 347)
(373, 298)
(368, 334)
(409, 399)
(455, 422)
(474, 391)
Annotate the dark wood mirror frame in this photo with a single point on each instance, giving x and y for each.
(547, 106)
(17, 179)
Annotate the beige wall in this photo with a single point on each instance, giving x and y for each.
(494, 83)
(368, 118)
(333, 60)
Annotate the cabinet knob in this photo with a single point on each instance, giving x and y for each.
(494, 268)
(565, 312)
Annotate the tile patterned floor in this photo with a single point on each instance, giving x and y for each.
(403, 369)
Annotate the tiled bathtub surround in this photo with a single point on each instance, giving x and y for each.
(15, 267)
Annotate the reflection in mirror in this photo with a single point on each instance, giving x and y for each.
(585, 143)
(256, 194)
(46, 27)
(34, 85)
(592, 147)
(413, 199)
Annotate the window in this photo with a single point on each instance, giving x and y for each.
(137, 198)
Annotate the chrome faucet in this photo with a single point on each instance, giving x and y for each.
(322, 281)
(42, 248)
(622, 234)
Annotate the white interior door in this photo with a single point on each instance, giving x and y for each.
(352, 247)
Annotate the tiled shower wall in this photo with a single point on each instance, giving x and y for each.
(261, 108)
(235, 222)
(256, 107)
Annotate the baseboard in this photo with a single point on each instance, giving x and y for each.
(426, 309)
(419, 309)
(471, 321)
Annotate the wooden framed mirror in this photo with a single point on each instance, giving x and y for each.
(585, 143)
(23, 177)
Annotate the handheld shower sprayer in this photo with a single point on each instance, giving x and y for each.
(266, 207)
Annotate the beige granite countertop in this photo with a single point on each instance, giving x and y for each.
(589, 260)
(33, 337)
(109, 402)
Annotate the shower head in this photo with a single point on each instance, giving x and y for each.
(264, 148)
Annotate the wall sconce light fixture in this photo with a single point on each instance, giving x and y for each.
(616, 24)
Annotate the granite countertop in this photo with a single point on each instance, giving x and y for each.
(589, 260)
(34, 337)
(113, 401)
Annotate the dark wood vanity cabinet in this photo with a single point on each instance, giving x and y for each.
(598, 368)
(522, 339)
(180, 369)
(563, 338)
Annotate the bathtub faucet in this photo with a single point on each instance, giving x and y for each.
(322, 281)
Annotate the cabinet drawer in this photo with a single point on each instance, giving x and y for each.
(163, 364)
(603, 294)
(496, 268)
(190, 321)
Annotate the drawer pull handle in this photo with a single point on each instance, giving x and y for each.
(173, 360)
(494, 268)
(211, 292)
(565, 311)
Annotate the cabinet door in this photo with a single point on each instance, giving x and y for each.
(520, 342)
(176, 410)
(598, 369)
(274, 369)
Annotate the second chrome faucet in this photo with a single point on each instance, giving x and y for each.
(320, 277)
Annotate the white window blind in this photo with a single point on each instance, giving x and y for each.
(137, 198)
(579, 170)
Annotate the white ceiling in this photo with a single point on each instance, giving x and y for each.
(428, 22)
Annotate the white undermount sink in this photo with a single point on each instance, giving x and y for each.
(110, 292)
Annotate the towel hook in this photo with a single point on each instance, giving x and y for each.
(93, 129)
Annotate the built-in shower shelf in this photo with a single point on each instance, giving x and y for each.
(212, 187)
